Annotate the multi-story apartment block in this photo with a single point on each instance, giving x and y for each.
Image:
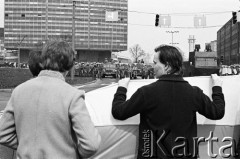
(31, 23)
(228, 43)
(1, 39)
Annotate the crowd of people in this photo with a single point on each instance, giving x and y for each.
(98, 69)
(48, 118)
(13, 64)
(120, 70)
(226, 70)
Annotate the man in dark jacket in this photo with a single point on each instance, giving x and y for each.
(168, 108)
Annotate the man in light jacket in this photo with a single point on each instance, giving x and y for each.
(45, 116)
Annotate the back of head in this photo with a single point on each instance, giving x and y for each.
(171, 56)
(57, 56)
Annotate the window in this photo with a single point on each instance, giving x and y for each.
(23, 15)
(6, 15)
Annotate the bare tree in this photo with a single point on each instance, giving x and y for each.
(39, 45)
(136, 52)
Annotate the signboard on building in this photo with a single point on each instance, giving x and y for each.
(111, 16)
(165, 20)
(199, 21)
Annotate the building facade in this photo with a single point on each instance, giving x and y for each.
(31, 23)
(211, 46)
(205, 59)
(228, 43)
(1, 39)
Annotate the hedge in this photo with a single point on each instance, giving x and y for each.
(12, 77)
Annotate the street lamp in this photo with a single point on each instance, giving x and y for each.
(172, 32)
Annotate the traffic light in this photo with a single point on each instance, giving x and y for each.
(157, 20)
(222, 59)
(234, 17)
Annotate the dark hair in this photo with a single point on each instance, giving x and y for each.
(57, 56)
(34, 61)
(171, 56)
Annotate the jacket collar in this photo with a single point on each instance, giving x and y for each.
(50, 73)
(171, 78)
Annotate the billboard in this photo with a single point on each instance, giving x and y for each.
(111, 16)
(165, 20)
(200, 21)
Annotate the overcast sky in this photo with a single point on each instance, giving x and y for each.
(141, 29)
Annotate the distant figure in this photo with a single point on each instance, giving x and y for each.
(46, 117)
(168, 108)
(34, 62)
(106, 60)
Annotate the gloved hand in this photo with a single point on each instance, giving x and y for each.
(124, 82)
(216, 80)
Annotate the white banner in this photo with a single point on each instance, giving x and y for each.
(99, 101)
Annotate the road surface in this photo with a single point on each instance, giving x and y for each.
(5, 94)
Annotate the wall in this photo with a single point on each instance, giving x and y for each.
(205, 62)
(92, 55)
(228, 43)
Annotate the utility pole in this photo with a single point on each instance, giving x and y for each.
(46, 22)
(172, 32)
(73, 25)
(112, 38)
(19, 44)
(73, 37)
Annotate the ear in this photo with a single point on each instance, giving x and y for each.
(41, 65)
(167, 68)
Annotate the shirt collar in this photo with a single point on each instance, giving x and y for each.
(171, 78)
(50, 73)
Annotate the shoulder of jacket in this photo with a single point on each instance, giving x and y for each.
(197, 89)
(78, 92)
(23, 85)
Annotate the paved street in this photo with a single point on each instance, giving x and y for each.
(5, 94)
